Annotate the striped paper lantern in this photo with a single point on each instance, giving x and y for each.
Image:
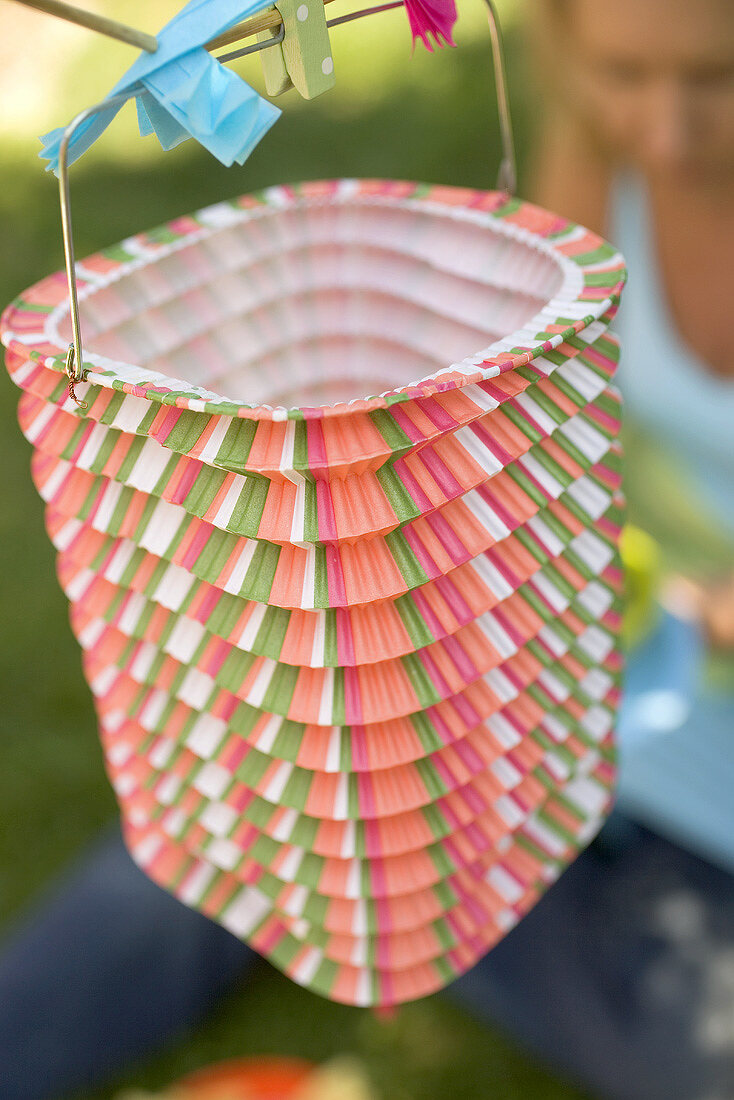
(355, 659)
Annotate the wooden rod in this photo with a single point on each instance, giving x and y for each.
(266, 20)
(94, 22)
(248, 27)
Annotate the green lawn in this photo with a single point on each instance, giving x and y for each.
(53, 794)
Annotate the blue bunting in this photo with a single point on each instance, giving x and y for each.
(182, 91)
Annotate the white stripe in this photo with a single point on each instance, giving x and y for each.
(212, 780)
(273, 792)
(206, 736)
(195, 688)
(304, 972)
(224, 853)
(318, 649)
(257, 690)
(266, 738)
(174, 587)
(196, 883)
(185, 639)
(308, 596)
(326, 703)
(288, 868)
(249, 633)
(538, 414)
(478, 450)
(39, 422)
(228, 505)
(149, 466)
(104, 513)
(488, 518)
(543, 476)
(286, 821)
(209, 452)
(496, 634)
(236, 578)
(249, 909)
(341, 801)
(491, 577)
(333, 752)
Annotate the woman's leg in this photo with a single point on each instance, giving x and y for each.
(622, 977)
(105, 969)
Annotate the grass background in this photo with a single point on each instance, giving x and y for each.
(430, 118)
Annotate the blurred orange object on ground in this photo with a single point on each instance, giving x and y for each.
(247, 1079)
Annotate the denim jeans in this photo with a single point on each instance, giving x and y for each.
(622, 977)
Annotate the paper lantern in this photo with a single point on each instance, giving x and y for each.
(354, 657)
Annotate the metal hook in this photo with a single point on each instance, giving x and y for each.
(75, 354)
(506, 180)
(507, 176)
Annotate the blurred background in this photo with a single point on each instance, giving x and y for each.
(643, 90)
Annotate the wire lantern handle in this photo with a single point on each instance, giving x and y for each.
(506, 178)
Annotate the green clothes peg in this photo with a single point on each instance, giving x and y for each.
(303, 59)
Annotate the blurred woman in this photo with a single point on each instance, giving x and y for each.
(624, 974)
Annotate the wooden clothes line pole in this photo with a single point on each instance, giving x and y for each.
(110, 27)
(247, 28)
(94, 22)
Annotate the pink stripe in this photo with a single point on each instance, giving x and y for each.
(437, 414)
(242, 799)
(208, 605)
(469, 756)
(325, 512)
(454, 600)
(378, 880)
(431, 620)
(604, 362)
(473, 799)
(460, 658)
(215, 654)
(276, 932)
(192, 470)
(448, 538)
(225, 705)
(526, 416)
(196, 547)
(440, 473)
(315, 444)
(335, 577)
(433, 671)
(424, 558)
(366, 795)
(89, 428)
(420, 499)
(372, 840)
(353, 713)
(502, 513)
(169, 423)
(358, 749)
(403, 421)
(509, 628)
(382, 915)
(612, 423)
(445, 734)
(344, 638)
(494, 448)
(465, 710)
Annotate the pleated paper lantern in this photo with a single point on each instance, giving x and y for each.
(354, 658)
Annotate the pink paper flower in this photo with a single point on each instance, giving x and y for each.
(432, 17)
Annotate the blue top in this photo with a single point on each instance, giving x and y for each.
(667, 390)
(676, 732)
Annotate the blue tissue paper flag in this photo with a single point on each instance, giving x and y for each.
(182, 91)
